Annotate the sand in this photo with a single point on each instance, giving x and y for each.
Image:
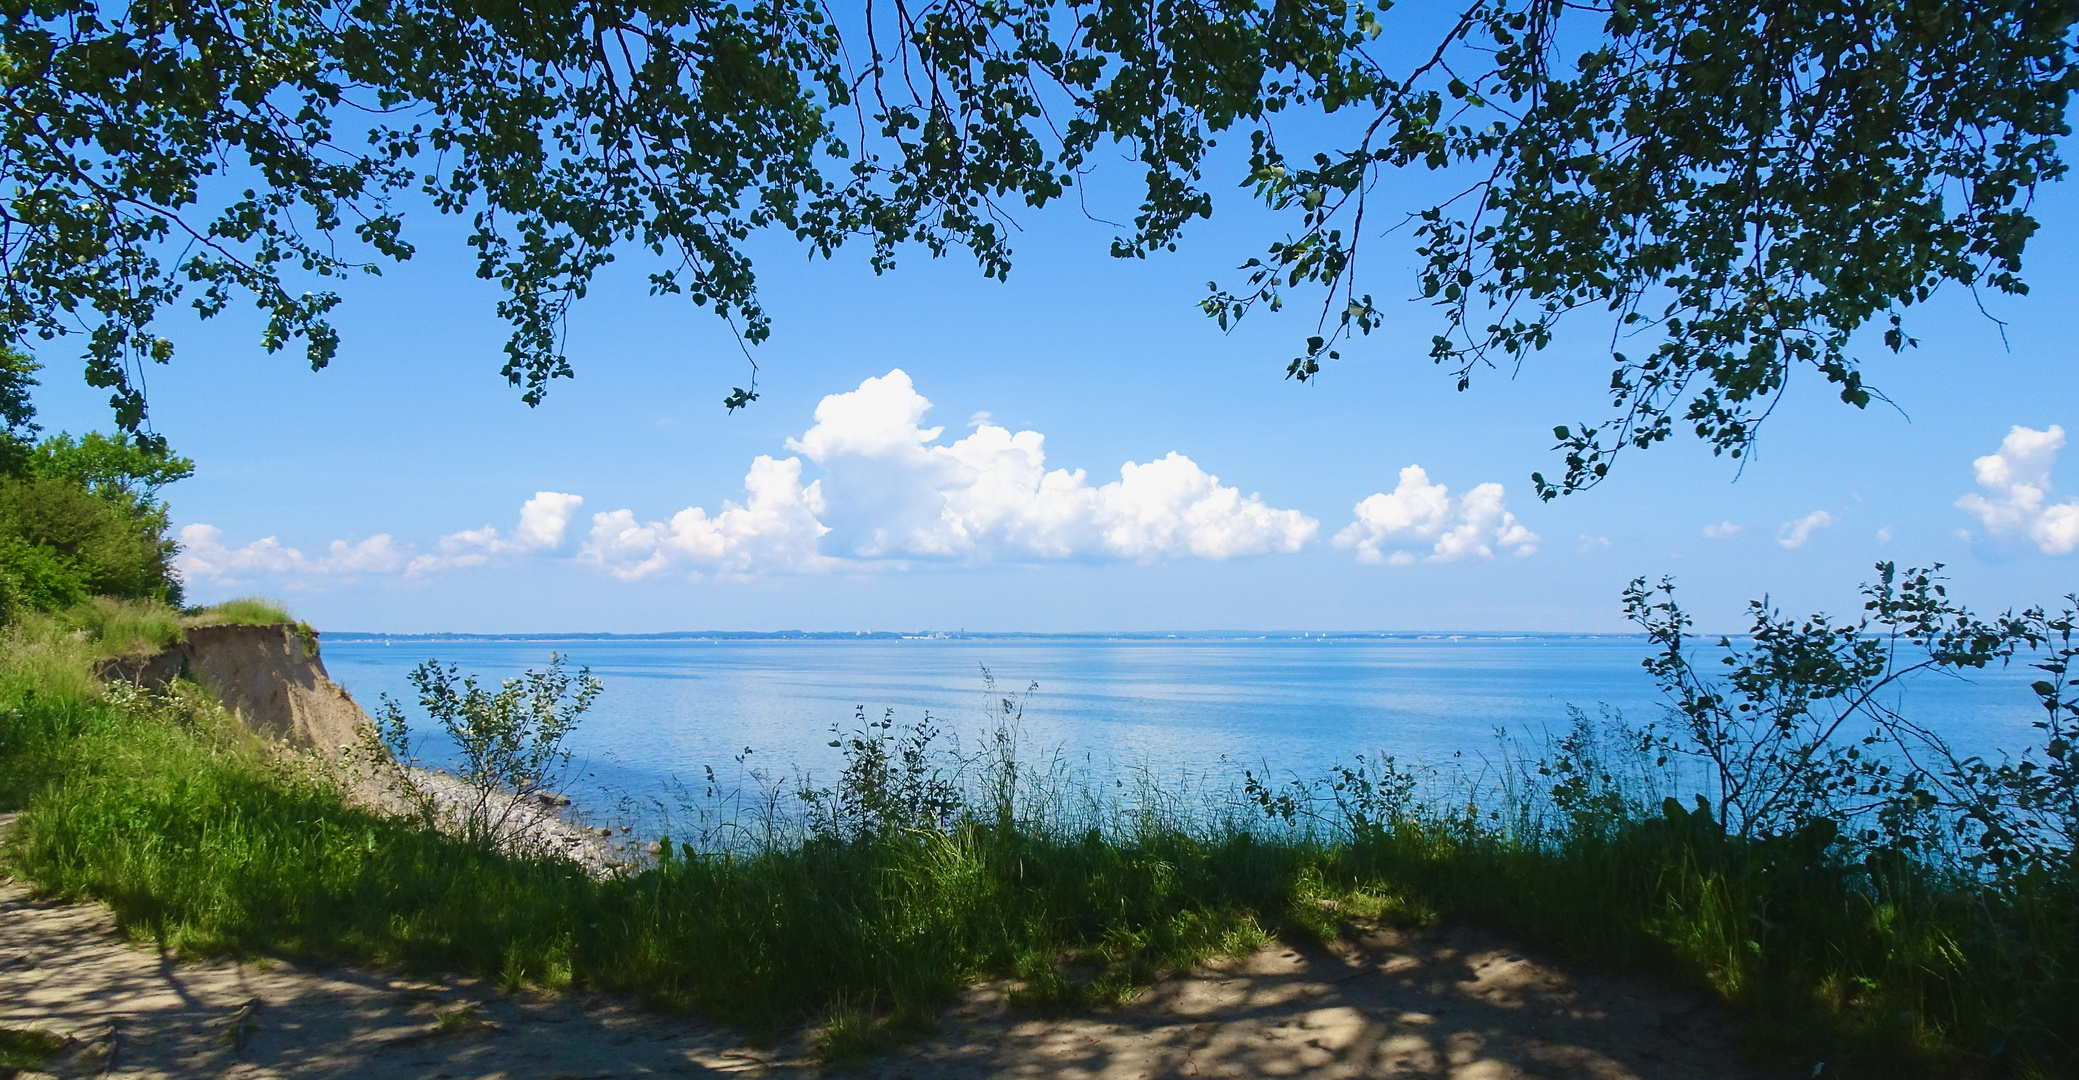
(531, 826)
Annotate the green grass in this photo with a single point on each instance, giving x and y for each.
(28, 1048)
(126, 627)
(245, 610)
(200, 839)
(104, 627)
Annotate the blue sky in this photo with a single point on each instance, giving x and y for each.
(408, 489)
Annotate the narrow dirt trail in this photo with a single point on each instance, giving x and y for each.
(134, 1012)
(1455, 1004)
(1458, 1003)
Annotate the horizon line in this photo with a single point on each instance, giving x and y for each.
(955, 635)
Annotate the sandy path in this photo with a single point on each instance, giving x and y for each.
(63, 970)
(1456, 1004)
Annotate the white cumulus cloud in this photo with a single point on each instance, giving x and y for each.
(891, 491)
(775, 529)
(1418, 511)
(1724, 530)
(543, 521)
(891, 494)
(2015, 485)
(204, 555)
(1793, 534)
(894, 491)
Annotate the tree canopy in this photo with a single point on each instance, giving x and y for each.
(81, 517)
(1737, 190)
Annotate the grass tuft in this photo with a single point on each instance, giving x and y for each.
(245, 610)
(851, 1031)
(458, 1020)
(28, 1048)
(125, 627)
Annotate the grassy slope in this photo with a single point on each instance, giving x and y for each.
(113, 627)
(197, 836)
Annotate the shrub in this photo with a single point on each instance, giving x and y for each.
(79, 517)
(35, 577)
(61, 543)
(509, 743)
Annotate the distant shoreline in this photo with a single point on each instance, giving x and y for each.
(975, 635)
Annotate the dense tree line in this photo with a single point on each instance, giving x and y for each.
(79, 518)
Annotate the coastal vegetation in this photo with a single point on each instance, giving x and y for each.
(1788, 837)
(1712, 180)
(510, 745)
(79, 519)
(247, 610)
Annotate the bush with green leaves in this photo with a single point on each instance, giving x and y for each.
(510, 744)
(893, 779)
(61, 543)
(79, 518)
(1808, 727)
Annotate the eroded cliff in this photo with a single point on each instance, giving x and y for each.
(270, 675)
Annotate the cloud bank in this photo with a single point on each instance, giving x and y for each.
(2014, 486)
(204, 555)
(1419, 512)
(892, 493)
(774, 530)
(543, 520)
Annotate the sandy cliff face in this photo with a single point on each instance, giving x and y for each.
(271, 676)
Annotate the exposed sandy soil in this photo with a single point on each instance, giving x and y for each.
(531, 825)
(269, 675)
(1456, 1004)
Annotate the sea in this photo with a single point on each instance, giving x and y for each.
(1184, 709)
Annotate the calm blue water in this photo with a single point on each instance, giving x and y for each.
(1187, 705)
